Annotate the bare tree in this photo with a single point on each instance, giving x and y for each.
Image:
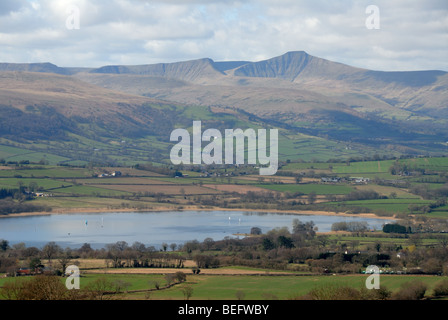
(187, 291)
(98, 288)
(64, 261)
(208, 243)
(240, 295)
(50, 250)
(312, 197)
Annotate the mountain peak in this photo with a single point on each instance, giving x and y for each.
(287, 66)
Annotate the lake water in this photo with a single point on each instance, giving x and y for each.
(151, 228)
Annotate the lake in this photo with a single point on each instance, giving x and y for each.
(152, 228)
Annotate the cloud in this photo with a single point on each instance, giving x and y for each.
(412, 36)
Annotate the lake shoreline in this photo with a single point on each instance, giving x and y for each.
(193, 208)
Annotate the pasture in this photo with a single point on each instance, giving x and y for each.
(249, 287)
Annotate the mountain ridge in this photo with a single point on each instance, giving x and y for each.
(288, 66)
(303, 94)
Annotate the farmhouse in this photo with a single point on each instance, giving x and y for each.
(24, 272)
(359, 180)
(41, 194)
(330, 179)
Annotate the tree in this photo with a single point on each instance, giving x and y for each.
(206, 261)
(64, 261)
(116, 253)
(267, 244)
(208, 243)
(378, 246)
(285, 242)
(255, 231)
(240, 295)
(121, 245)
(35, 263)
(334, 292)
(187, 291)
(86, 248)
(50, 250)
(312, 197)
(394, 228)
(120, 285)
(44, 288)
(323, 240)
(30, 252)
(180, 276)
(4, 245)
(32, 187)
(411, 291)
(155, 283)
(169, 278)
(139, 247)
(306, 229)
(98, 288)
(441, 288)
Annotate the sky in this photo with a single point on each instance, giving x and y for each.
(393, 35)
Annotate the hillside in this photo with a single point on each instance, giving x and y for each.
(188, 70)
(61, 115)
(333, 109)
(314, 95)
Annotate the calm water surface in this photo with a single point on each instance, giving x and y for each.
(151, 228)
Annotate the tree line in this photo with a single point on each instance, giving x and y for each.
(300, 248)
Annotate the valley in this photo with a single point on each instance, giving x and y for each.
(352, 142)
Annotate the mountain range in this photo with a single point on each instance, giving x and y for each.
(336, 106)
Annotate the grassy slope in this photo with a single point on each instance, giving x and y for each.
(207, 287)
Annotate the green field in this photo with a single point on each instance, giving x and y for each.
(435, 163)
(264, 287)
(47, 171)
(363, 167)
(9, 153)
(308, 165)
(44, 183)
(135, 184)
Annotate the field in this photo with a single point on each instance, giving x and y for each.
(275, 287)
(144, 188)
(364, 167)
(250, 287)
(415, 197)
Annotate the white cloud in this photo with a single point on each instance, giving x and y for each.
(413, 36)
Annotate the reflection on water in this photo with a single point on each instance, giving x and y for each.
(152, 228)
